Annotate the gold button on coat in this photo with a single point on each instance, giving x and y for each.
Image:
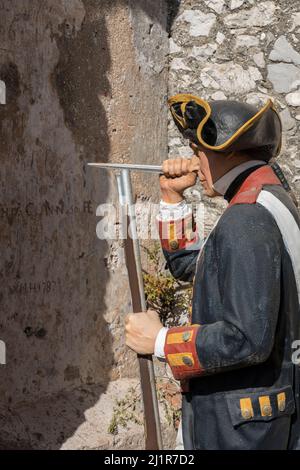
(187, 361)
(186, 336)
(174, 244)
(246, 414)
(267, 410)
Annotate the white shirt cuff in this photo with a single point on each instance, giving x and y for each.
(175, 211)
(160, 343)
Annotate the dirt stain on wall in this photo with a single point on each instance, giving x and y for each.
(80, 80)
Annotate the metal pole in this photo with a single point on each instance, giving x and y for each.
(128, 166)
(153, 438)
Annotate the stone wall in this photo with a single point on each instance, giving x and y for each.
(245, 50)
(87, 80)
(80, 77)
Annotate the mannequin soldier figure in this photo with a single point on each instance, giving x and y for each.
(234, 360)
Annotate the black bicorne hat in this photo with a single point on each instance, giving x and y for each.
(228, 126)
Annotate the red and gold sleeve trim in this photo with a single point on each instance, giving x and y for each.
(181, 352)
(178, 234)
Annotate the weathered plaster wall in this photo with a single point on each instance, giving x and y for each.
(85, 81)
(240, 49)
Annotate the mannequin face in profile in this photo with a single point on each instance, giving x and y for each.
(204, 173)
(214, 165)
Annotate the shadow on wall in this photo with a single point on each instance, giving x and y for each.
(79, 78)
(153, 9)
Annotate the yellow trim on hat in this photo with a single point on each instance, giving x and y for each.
(185, 98)
(179, 119)
(237, 134)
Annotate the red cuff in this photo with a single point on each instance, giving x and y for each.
(181, 353)
(178, 234)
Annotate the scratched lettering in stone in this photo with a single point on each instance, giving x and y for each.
(34, 287)
(33, 210)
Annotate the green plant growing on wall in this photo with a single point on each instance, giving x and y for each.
(129, 409)
(168, 297)
(126, 410)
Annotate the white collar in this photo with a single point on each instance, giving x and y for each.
(223, 183)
